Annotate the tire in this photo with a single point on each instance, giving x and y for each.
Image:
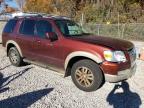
(87, 75)
(15, 57)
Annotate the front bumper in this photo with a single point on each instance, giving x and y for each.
(122, 75)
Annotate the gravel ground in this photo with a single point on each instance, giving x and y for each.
(35, 87)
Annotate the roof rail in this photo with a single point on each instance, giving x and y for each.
(36, 14)
(27, 15)
(56, 16)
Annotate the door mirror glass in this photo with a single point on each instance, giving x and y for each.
(52, 36)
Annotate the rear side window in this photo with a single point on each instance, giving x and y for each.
(27, 27)
(10, 26)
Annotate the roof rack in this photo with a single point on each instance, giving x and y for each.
(36, 14)
(27, 16)
(56, 16)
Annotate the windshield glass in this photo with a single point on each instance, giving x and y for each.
(70, 28)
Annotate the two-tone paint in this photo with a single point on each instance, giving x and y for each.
(65, 51)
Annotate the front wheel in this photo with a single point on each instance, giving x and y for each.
(87, 75)
(14, 57)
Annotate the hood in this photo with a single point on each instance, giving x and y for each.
(114, 43)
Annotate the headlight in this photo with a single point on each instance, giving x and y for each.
(114, 56)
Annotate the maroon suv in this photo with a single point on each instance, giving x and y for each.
(59, 43)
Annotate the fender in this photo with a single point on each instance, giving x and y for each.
(17, 46)
(82, 54)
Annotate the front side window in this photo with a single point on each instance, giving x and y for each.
(69, 28)
(10, 26)
(42, 27)
(27, 27)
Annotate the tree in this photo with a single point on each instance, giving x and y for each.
(94, 10)
(46, 6)
(6, 8)
(20, 3)
(9, 9)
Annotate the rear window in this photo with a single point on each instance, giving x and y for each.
(27, 27)
(10, 26)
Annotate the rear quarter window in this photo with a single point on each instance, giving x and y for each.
(9, 27)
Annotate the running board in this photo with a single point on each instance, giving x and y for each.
(58, 70)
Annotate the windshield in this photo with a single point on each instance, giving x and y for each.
(70, 28)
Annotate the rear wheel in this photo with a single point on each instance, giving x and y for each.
(15, 57)
(87, 75)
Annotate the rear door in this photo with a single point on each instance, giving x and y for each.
(25, 37)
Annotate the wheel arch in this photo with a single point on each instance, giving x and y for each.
(12, 43)
(79, 55)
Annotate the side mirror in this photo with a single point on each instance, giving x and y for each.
(52, 36)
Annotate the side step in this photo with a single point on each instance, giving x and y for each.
(58, 70)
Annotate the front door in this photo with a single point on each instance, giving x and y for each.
(45, 50)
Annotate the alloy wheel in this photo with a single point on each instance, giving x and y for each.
(84, 76)
(14, 56)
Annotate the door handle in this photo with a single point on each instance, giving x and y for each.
(49, 44)
(38, 42)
